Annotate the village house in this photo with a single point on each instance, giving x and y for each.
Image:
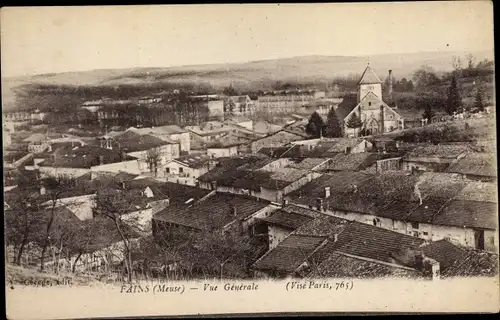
(430, 206)
(149, 150)
(240, 105)
(168, 133)
(354, 250)
(37, 143)
(210, 131)
(315, 237)
(217, 211)
(435, 158)
(268, 179)
(476, 166)
(78, 161)
(376, 115)
(17, 116)
(287, 100)
(214, 103)
(241, 122)
(321, 106)
(278, 139)
(186, 169)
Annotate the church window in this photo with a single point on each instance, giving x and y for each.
(369, 103)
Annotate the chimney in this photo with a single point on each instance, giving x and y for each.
(381, 119)
(285, 202)
(327, 192)
(389, 90)
(43, 190)
(319, 204)
(235, 210)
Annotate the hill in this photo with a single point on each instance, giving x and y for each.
(249, 76)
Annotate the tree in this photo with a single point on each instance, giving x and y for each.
(316, 125)
(470, 60)
(55, 188)
(153, 160)
(22, 220)
(426, 79)
(428, 113)
(354, 122)
(479, 103)
(113, 204)
(454, 102)
(333, 128)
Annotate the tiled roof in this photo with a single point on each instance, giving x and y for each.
(132, 142)
(473, 214)
(289, 254)
(274, 152)
(287, 219)
(444, 252)
(215, 212)
(371, 242)
(392, 195)
(36, 137)
(341, 266)
(480, 164)
(323, 226)
(473, 264)
(479, 191)
(169, 129)
(339, 144)
(308, 163)
(351, 161)
(84, 157)
(369, 77)
(445, 151)
(195, 160)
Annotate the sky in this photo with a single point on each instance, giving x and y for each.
(59, 39)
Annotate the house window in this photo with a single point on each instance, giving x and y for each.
(369, 103)
(167, 170)
(425, 233)
(181, 170)
(414, 225)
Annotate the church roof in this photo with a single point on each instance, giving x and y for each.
(369, 77)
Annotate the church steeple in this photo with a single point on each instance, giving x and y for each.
(369, 82)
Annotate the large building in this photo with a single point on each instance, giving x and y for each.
(376, 115)
(287, 100)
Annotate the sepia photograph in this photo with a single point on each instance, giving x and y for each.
(249, 159)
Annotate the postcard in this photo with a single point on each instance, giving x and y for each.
(249, 159)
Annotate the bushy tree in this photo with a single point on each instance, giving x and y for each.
(454, 102)
(316, 126)
(428, 113)
(333, 127)
(354, 122)
(479, 103)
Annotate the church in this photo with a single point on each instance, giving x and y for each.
(375, 115)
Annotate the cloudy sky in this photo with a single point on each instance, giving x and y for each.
(51, 39)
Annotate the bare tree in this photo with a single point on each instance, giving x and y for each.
(114, 204)
(22, 219)
(55, 188)
(470, 60)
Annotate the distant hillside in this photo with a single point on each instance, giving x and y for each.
(248, 76)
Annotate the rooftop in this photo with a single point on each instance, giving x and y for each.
(195, 160)
(132, 141)
(289, 254)
(169, 129)
(479, 164)
(369, 77)
(84, 157)
(217, 212)
(285, 219)
(350, 161)
(446, 151)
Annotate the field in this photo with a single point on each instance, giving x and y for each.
(255, 75)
